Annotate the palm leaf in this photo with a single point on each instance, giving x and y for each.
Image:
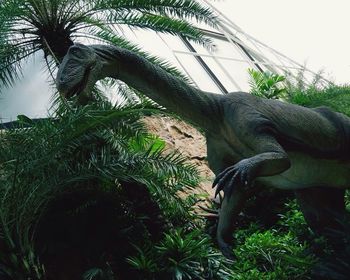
(186, 9)
(164, 24)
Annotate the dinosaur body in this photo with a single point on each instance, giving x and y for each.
(318, 139)
(248, 138)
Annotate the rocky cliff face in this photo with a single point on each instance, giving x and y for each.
(181, 136)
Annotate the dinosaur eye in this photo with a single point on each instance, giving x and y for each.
(74, 50)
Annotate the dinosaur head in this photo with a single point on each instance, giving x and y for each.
(79, 71)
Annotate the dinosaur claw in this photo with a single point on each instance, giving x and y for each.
(219, 178)
(222, 178)
(216, 181)
(230, 177)
(209, 216)
(221, 198)
(217, 191)
(230, 185)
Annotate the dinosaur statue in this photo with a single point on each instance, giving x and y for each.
(249, 139)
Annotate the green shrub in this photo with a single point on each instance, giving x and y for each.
(96, 155)
(335, 97)
(180, 256)
(266, 84)
(271, 255)
(293, 221)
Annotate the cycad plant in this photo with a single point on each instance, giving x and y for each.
(181, 256)
(52, 26)
(266, 84)
(95, 149)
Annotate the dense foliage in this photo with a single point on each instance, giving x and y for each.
(335, 97)
(100, 150)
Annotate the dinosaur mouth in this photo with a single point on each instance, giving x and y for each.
(81, 85)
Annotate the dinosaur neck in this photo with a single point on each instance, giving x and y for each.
(188, 102)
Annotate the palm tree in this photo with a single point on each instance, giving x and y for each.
(52, 26)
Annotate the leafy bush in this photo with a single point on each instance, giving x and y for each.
(266, 84)
(180, 256)
(272, 255)
(61, 166)
(333, 96)
(293, 221)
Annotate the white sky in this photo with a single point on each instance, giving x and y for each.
(311, 31)
(315, 32)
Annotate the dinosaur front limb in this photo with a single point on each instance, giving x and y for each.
(245, 171)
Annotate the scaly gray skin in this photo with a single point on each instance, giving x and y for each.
(248, 138)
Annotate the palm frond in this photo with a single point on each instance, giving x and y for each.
(185, 9)
(11, 59)
(164, 24)
(9, 71)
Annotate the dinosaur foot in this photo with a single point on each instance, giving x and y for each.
(226, 250)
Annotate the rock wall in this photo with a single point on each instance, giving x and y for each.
(181, 136)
